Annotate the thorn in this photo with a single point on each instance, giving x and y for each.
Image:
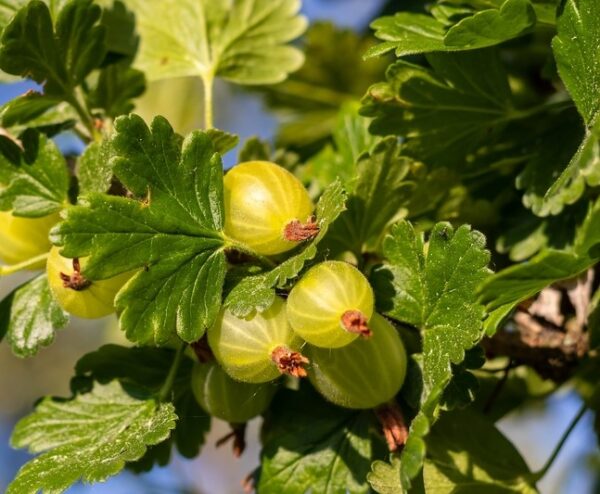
(295, 231)
(238, 434)
(248, 483)
(354, 321)
(394, 426)
(289, 362)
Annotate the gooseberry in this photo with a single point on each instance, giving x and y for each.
(331, 305)
(259, 348)
(363, 374)
(222, 397)
(25, 238)
(267, 208)
(78, 295)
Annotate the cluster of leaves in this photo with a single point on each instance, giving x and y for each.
(487, 115)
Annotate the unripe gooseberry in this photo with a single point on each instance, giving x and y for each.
(267, 208)
(331, 305)
(259, 348)
(363, 374)
(25, 238)
(78, 295)
(222, 397)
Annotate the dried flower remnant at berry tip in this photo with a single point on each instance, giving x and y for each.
(75, 281)
(238, 435)
(354, 321)
(296, 231)
(289, 362)
(394, 426)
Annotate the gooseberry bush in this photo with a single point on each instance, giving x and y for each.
(414, 257)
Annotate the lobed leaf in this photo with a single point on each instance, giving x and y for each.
(436, 292)
(446, 113)
(89, 437)
(174, 234)
(243, 41)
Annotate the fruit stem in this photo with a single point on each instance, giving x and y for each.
(29, 263)
(232, 244)
(289, 362)
(165, 392)
(544, 470)
(354, 321)
(394, 426)
(208, 101)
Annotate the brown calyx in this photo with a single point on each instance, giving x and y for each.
(238, 435)
(394, 426)
(354, 321)
(289, 362)
(75, 281)
(296, 231)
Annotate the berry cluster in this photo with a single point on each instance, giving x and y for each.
(326, 330)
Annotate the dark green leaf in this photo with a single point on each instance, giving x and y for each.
(174, 235)
(88, 438)
(30, 317)
(310, 445)
(447, 113)
(36, 185)
(380, 192)
(435, 292)
(115, 89)
(258, 291)
(121, 38)
(26, 107)
(61, 55)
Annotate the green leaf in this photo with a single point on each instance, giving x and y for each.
(30, 317)
(89, 437)
(490, 27)
(576, 48)
(436, 293)
(447, 113)
(94, 168)
(310, 445)
(223, 142)
(410, 33)
(117, 85)
(385, 477)
(37, 185)
(148, 368)
(351, 138)
(310, 98)
(175, 234)
(60, 56)
(258, 291)
(242, 41)
(467, 454)
(407, 34)
(33, 110)
(380, 192)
